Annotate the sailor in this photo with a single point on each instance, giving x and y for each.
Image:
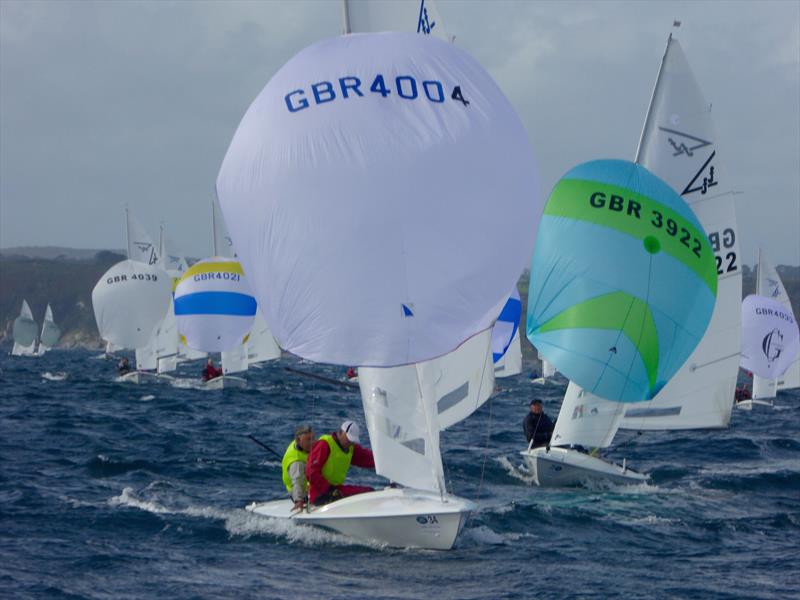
(537, 426)
(351, 373)
(210, 371)
(123, 366)
(293, 465)
(329, 462)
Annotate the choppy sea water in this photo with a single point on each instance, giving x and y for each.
(112, 490)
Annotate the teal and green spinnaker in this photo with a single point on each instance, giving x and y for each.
(623, 280)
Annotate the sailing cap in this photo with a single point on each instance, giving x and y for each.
(351, 429)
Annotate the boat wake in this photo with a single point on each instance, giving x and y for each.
(241, 523)
(521, 472)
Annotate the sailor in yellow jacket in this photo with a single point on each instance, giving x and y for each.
(293, 465)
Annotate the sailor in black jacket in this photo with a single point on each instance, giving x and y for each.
(537, 425)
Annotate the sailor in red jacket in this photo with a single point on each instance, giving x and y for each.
(210, 371)
(329, 462)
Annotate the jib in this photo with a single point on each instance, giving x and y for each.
(615, 203)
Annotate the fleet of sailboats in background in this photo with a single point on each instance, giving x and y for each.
(25, 329)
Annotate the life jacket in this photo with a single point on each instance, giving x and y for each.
(292, 455)
(335, 468)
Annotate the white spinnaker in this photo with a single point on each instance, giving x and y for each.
(234, 360)
(586, 420)
(261, 346)
(24, 331)
(511, 362)
(140, 245)
(129, 301)
(419, 16)
(769, 284)
(770, 337)
(50, 332)
(298, 190)
(678, 144)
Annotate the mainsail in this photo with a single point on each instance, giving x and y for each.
(343, 181)
(769, 284)
(140, 245)
(24, 331)
(261, 346)
(420, 16)
(51, 333)
(679, 145)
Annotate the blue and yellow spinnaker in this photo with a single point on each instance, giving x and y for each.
(214, 306)
(623, 280)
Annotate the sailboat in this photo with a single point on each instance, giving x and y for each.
(548, 371)
(214, 309)
(50, 333)
(129, 302)
(337, 235)
(142, 249)
(678, 144)
(769, 284)
(770, 338)
(24, 331)
(610, 320)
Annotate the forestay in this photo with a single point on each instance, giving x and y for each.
(214, 306)
(770, 337)
(679, 145)
(24, 331)
(610, 320)
(769, 284)
(363, 187)
(129, 301)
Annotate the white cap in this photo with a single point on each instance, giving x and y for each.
(351, 429)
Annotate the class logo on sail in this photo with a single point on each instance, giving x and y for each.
(772, 345)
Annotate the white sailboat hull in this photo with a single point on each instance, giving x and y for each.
(399, 517)
(143, 377)
(225, 382)
(748, 404)
(565, 467)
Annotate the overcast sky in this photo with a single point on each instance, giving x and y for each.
(108, 103)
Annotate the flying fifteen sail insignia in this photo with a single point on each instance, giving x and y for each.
(680, 146)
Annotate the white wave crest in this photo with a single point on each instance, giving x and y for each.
(58, 376)
(521, 472)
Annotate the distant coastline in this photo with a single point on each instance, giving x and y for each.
(65, 277)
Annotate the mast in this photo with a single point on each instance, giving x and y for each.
(127, 233)
(648, 118)
(759, 291)
(346, 17)
(213, 228)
